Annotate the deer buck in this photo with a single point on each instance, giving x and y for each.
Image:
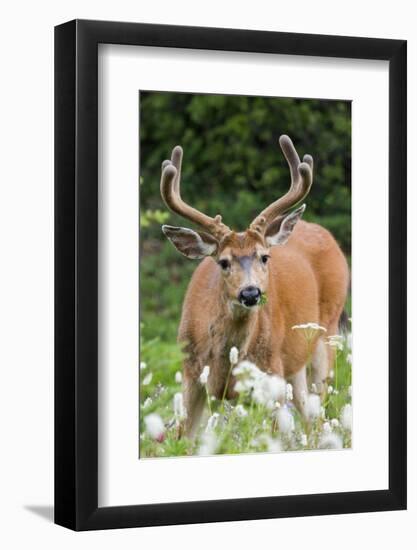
(297, 265)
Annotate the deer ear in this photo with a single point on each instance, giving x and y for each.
(191, 244)
(280, 229)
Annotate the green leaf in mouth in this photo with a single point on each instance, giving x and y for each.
(263, 299)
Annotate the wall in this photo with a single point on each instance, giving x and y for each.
(26, 400)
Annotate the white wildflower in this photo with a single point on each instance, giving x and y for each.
(326, 427)
(303, 440)
(204, 375)
(142, 365)
(178, 377)
(208, 444)
(309, 326)
(234, 355)
(147, 403)
(240, 387)
(330, 441)
(268, 389)
(275, 387)
(346, 417)
(247, 375)
(147, 380)
(285, 420)
(313, 406)
(212, 422)
(246, 369)
(289, 392)
(334, 423)
(335, 392)
(179, 408)
(314, 388)
(329, 390)
(349, 340)
(349, 358)
(259, 397)
(241, 411)
(155, 426)
(322, 412)
(274, 445)
(309, 330)
(331, 374)
(335, 341)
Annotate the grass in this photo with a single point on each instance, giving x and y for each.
(258, 421)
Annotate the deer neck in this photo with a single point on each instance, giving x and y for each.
(238, 326)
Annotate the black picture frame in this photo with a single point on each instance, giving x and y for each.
(76, 272)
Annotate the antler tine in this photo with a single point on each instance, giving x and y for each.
(291, 157)
(170, 191)
(301, 181)
(176, 160)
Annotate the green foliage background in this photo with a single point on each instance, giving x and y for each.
(232, 166)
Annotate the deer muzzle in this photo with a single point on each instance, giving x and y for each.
(249, 296)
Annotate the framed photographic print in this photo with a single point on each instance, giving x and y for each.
(230, 275)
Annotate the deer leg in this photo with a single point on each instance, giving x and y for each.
(320, 363)
(194, 401)
(300, 391)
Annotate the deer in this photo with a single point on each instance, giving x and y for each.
(298, 265)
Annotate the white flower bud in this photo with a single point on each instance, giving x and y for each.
(179, 409)
(241, 411)
(208, 444)
(155, 426)
(274, 445)
(346, 417)
(330, 441)
(313, 406)
(285, 420)
(326, 427)
(234, 355)
(212, 422)
(147, 380)
(204, 375)
(147, 403)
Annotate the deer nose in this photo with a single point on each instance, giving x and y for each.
(249, 296)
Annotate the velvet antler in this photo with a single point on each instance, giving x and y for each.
(170, 191)
(301, 181)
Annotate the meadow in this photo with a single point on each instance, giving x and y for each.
(233, 166)
(263, 418)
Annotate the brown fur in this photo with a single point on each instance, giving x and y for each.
(305, 280)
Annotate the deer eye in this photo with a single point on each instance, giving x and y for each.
(265, 258)
(224, 264)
